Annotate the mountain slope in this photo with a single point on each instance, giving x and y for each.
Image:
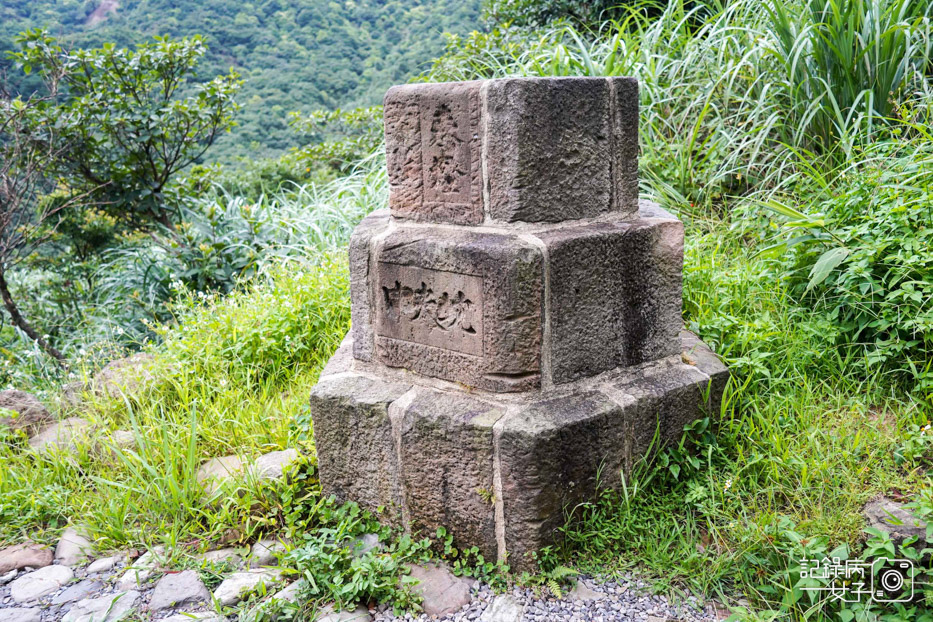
(297, 55)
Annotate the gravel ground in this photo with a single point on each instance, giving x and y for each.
(620, 600)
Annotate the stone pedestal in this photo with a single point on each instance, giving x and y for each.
(517, 335)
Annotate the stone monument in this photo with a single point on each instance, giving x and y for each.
(516, 316)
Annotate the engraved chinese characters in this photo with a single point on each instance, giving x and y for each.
(431, 307)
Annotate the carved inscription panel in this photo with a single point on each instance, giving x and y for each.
(430, 307)
(445, 149)
(433, 152)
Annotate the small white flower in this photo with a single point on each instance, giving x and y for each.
(727, 486)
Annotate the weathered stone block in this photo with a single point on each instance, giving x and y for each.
(463, 306)
(433, 152)
(369, 228)
(623, 107)
(551, 149)
(516, 317)
(539, 453)
(550, 454)
(470, 305)
(561, 148)
(446, 457)
(353, 436)
(615, 294)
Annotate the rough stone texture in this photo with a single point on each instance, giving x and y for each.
(266, 553)
(361, 310)
(183, 588)
(6, 578)
(698, 354)
(446, 456)
(505, 608)
(109, 608)
(549, 148)
(473, 306)
(553, 149)
(236, 586)
(516, 316)
(463, 306)
(891, 517)
(433, 151)
(271, 466)
(353, 435)
(360, 614)
(63, 436)
(289, 594)
(26, 555)
(217, 471)
(431, 455)
(581, 592)
(102, 565)
(217, 556)
(20, 614)
(125, 376)
(442, 592)
(623, 107)
(30, 414)
(140, 571)
(39, 583)
(615, 294)
(72, 548)
(72, 396)
(77, 591)
(550, 454)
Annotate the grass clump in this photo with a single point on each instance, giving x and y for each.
(231, 378)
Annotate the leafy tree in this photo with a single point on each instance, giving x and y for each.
(26, 157)
(591, 13)
(93, 155)
(130, 119)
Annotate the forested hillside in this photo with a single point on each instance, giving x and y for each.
(295, 56)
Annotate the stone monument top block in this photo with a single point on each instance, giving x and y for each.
(538, 150)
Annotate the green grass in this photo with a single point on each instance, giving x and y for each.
(811, 428)
(232, 377)
(801, 443)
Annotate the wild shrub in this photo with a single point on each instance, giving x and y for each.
(289, 321)
(862, 255)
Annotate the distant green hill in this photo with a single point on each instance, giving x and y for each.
(299, 55)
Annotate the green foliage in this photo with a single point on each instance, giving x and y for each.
(128, 120)
(229, 379)
(537, 13)
(845, 66)
(339, 138)
(803, 439)
(290, 320)
(862, 257)
(720, 112)
(469, 561)
(333, 570)
(298, 56)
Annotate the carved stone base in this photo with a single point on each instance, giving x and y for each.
(498, 470)
(511, 310)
